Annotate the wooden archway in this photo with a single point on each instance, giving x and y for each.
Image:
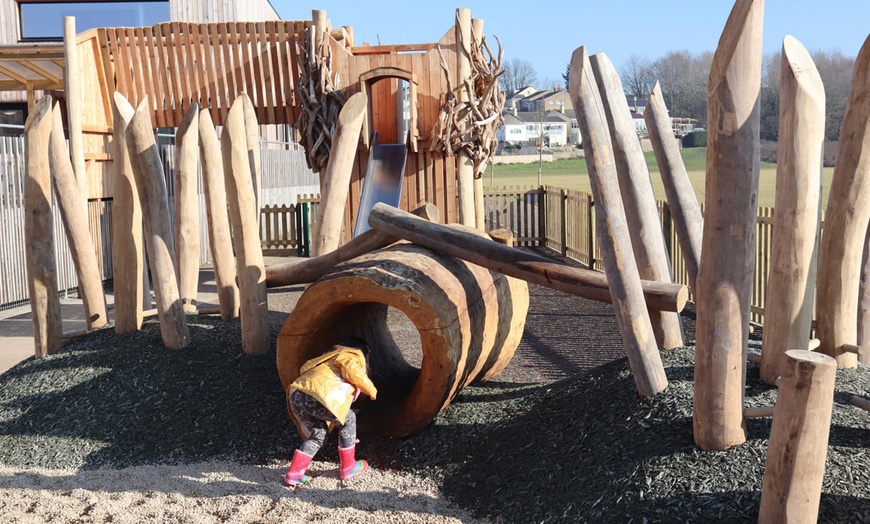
(367, 79)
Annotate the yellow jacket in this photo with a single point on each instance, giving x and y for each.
(332, 379)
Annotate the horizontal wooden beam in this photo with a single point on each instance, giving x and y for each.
(31, 52)
(389, 49)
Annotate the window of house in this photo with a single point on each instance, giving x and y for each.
(515, 131)
(12, 117)
(44, 20)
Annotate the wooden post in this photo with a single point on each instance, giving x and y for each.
(795, 466)
(75, 221)
(148, 170)
(335, 181)
(128, 265)
(503, 236)
(305, 270)
(638, 199)
(249, 255)
(682, 202)
(514, 262)
(252, 133)
(219, 236)
(73, 88)
(796, 222)
(727, 266)
(619, 264)
(318, 19)
(39, 231)
(464, 164)
(846, 222)
(187, 208)
(479, 213)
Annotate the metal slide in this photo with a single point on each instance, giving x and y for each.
(383, 182)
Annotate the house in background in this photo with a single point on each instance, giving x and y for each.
(513, 131)
(511, 99)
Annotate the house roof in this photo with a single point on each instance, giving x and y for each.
(511, 120)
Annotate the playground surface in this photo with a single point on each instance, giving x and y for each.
(203, 435)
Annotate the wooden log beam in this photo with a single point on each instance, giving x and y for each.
(682, 202)
(795, 466)
(758, 412)
(335, 179)
(74, 214)
(306, 270)
(128, 264)
(860, 402)
(250, 270)
(186, 178)
(514, 262)
(219, 236)
(39, 231)
(727, 268)
(796, 222)
(846, 220)
(464, 162)
(503, 236)
(148, 171)
(622, 274)
(638, 199)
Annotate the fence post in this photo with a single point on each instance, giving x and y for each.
(542, 216)
(305, 231)
(563, 221)
(298, 212)
(590, 229)
(667, 230)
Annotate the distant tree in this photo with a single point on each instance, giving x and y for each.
(565, 75)
(835, 69)
(637, 76)
(517, 75)
(551, 84)
(771, 70)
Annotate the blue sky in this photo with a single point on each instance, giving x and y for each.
(546, 33)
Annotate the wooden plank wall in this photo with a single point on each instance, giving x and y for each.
(205, 11)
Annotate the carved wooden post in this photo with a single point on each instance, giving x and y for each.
(464, 164)
(249, 255)
(728, 257)
(335, 181)
(148, 170)
(73, 90)
(187, 208)
(252, 133)
(39, 230)
(795, 465)
(128, 265)
(620, 267)
(796, 223)
(846, 223)
(219, 237)
(75, 221)
(638, 199)
(685, 210)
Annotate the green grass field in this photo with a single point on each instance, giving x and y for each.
(572, 174)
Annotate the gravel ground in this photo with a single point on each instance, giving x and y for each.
(560, 436)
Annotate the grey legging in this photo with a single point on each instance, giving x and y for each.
(314, 416)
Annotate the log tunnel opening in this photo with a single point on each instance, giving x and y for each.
(468, 323)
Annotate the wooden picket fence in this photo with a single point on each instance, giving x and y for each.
(286, 229)
(564, 220)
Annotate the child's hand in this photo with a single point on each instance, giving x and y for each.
(373, 397)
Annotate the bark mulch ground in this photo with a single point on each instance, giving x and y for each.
(560, 436)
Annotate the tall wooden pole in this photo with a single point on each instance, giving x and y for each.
(39, 231)
(252, 133)
(219, 236)
(128, 265)
(249, 255)
(479, 213)
(795, 466)
(725, 277)
(75, 221)
(74, 96)
(619, 263)
(148, 170)
(464, 164)
(682, 202)
(186, 179)
(318, 19)
(638, 199)
(846, 221)
(335, 180)
(795, 235)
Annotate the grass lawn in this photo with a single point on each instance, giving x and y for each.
(572, 174)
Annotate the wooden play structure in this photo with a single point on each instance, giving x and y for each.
(465, 292)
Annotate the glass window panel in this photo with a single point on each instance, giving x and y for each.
(45, 20)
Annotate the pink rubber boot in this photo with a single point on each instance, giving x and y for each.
(296, 474)
(350, 467)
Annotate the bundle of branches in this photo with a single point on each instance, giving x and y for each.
(471, 126)
(320, 98)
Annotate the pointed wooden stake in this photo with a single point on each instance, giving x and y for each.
(187, 208)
